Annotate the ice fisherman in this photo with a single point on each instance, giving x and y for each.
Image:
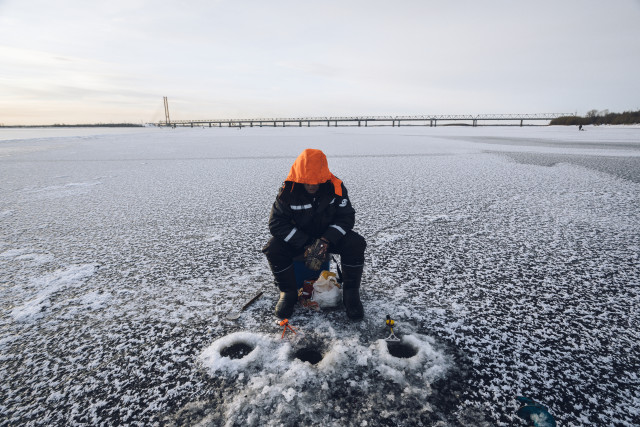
(312, 216)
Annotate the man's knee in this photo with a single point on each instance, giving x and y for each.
(355, 243)
(352, 248)
(279, 253)
(274, 247)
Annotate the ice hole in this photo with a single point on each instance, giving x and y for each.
(401, 350)
(309, 354)
(236, 351)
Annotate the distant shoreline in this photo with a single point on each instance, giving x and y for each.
(99, 125)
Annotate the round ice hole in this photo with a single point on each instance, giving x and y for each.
(401, 350)
(310, 355)
(236, 351)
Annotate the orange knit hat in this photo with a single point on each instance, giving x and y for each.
(311, 167)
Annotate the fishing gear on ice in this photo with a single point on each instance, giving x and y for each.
(392, 337)
(286, 325)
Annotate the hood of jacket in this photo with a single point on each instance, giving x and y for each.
(311, 167)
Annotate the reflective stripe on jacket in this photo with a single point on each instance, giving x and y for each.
(298, 218)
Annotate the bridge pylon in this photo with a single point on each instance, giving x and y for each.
(166, 111)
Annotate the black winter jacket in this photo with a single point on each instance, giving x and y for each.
(299, 218)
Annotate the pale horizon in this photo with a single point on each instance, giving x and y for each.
(72, 62)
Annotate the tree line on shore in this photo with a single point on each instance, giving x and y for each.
(91, 125)
(595, 117)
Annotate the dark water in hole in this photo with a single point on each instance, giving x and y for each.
(310, 355)
(236, 351)
(401, 350)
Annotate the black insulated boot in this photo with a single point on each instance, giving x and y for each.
(351, 277)
(286, 282)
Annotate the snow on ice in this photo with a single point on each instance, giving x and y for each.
(274, 369)
(508, 257)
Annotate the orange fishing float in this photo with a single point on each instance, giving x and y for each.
(286, 325)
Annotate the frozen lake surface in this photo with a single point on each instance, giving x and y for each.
(509, 258)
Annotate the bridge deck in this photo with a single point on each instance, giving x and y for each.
(424, 120)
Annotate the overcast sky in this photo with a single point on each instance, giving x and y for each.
(87, 61)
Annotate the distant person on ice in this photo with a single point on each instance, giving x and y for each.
(312, 215)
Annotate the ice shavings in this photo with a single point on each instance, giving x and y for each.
(275, 387)
(260, 352)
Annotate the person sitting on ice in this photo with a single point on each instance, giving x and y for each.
(312, 215)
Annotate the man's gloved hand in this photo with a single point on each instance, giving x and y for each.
(316, 254)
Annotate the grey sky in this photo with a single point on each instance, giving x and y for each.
(86, 61)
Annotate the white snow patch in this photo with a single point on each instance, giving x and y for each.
(26, 255)
(35, 258)
(279, 384)
(63, 190)
(49, 285)
(212, 359)
(426, 356)
(13, 253)
(93, 300)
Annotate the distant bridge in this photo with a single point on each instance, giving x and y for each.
(431, 121)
